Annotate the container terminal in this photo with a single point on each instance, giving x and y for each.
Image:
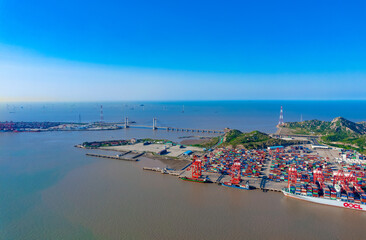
(331, 176)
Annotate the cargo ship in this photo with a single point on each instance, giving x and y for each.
(344, 191)
(330, 202)
(199, 180)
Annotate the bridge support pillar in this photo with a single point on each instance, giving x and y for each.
(126, 122)
(154, 124)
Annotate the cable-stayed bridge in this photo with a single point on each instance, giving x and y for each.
(154, 126)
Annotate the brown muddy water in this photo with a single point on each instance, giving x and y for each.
(51, 190)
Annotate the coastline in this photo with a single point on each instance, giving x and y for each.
(178, 165)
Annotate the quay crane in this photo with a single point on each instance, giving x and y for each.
(235, 174)
(196, 171)
(292, 177)
(318, 176)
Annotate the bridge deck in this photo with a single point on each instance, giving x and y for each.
(177, 129)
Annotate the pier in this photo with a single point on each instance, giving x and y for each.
(117, 157)
(163, 171)
(153, 169)
(138, 155)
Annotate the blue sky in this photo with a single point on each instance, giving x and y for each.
(182, 50)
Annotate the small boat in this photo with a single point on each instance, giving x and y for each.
(240, 186)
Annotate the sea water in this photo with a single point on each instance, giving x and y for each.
(50, 190)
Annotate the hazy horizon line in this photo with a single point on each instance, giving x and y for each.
(178, 100)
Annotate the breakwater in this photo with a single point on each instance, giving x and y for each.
(117, 157)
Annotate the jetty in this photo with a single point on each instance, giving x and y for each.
(116, 157)
(138, 155)
(164, 171)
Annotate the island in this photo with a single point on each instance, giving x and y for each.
(10, 126)
(339, 132)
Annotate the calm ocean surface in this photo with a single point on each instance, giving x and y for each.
(51, 190)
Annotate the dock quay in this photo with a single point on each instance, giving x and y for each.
(117, 157)
(261, 182)
(255, 183)
(258, 183)
(265, 185)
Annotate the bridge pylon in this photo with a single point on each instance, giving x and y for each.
(126, 122)
(154, 123)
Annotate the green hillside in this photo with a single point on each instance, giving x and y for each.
(252, 140)
(338, 132)
(338, 125)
